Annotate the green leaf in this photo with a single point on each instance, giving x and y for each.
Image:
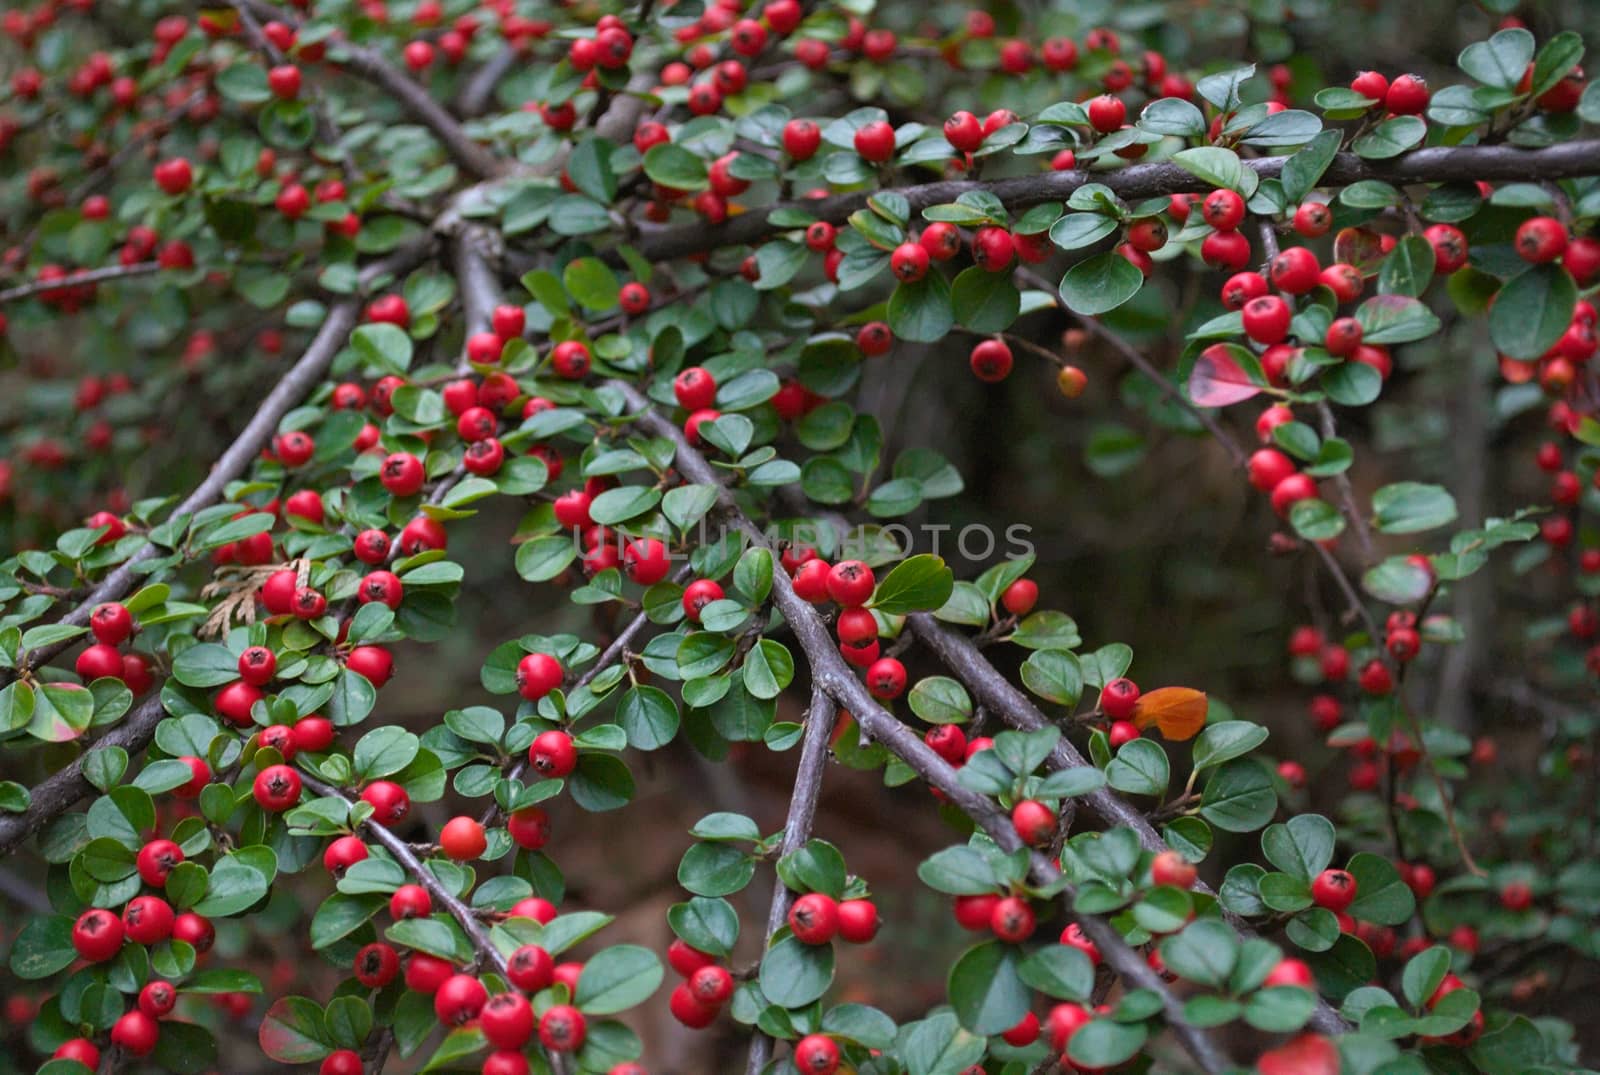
(1391, 319)
(1239, 797)
(1381, 896)
(671, 165)
(1078, 230)
(1204, 953)
(986, 990)
(1423, 973)
(1301, 847)
(985, 301)
(1100, 284)
(1398, 581)
(1226, 740)
(920, 583)
(385, 346)
(707, 925)
(1499, 61)
(1556, 58)
(1054, 675)
(1532, 312)
(794, 974)
(715, 869)
(1105, 1043)
(958, 871)
(592, 283)
(1214, 165)
(649, 717)
(1060, 971)
(385, 751)
(617, 979)
(42, 947)
(1411, 507)
(1391, 138)
(939, 1046)
(922, 311)
(206, 665)
(1408, 270)
(293, 1031)
(1140, 768)
(1304, 169)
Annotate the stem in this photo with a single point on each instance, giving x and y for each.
(796, 831)
(1137, 360)
(425, 877)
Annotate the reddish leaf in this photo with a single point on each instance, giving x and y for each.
(1218, 379)
(1359, 247)
(292, 1031)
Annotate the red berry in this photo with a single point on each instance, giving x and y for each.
(148, 919)
(1407, 96)
(1118, 697)
(1107, 113)
(135, 1033)
(816, 1054)
(875, 141)
(552, 754)
(1333, 889)
(462, 839)
(1223, 209)
(1012, 920)
(562, 1029)
(97, 935)
(1034, 821)
(276, 788)
(1171, 868)
(537, 675)
(459, 999)
(991, 361)
(814, 918)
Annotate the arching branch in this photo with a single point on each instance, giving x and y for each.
(478, 160)
(830, 673)
(1496, 163)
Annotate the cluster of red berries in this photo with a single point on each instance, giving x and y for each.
(112, 625)
(98, 936)
(706, 988)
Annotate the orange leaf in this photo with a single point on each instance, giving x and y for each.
(1180, 712)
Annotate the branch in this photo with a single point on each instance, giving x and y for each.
(475, 92)
(996, 694)
(85, 276)
(61, 791)
(796, 831)
(478, 160)
(1140, 181)
(407, 858)
(296, 384)
(831, 674)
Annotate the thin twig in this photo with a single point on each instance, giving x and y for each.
(1136, 359)
(85, 276)
(796, 831)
